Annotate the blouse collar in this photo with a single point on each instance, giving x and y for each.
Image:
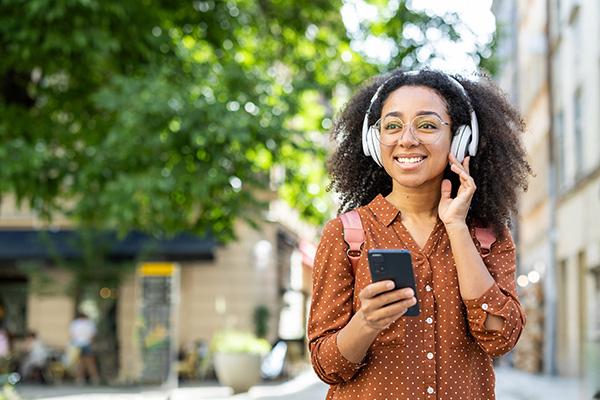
(384, 211)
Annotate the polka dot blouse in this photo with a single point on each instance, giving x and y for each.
(446, 352)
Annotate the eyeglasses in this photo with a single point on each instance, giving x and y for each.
(426, 129)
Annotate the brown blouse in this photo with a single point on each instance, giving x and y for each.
(446, 352)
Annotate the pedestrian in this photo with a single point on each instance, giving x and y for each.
(35, 357)
(425, 158)
(5, 349)
(82, 331)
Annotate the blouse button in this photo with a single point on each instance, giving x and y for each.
(428, 288)
(429, 320)
(430, 390)
(484, 306)
(430, 356)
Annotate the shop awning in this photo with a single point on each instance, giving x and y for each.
(47, 244)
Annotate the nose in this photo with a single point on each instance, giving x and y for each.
(407, 137)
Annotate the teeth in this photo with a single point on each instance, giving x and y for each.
(411, 160)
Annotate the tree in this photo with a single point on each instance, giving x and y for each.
(169, 116)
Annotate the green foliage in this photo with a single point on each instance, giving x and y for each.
(169, 116)
(231, 341)
(261, 320)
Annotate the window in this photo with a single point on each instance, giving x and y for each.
(595, 323)
(577, 43)
(555, 19)
(559, 150)
(578, 130)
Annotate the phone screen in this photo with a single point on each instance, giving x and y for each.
(394, 265)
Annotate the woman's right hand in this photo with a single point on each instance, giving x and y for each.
(377, 311)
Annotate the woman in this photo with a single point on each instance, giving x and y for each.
(394, 163)
(82, 331)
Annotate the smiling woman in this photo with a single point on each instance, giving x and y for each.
(427, 160)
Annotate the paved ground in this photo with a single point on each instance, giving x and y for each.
(511, 385)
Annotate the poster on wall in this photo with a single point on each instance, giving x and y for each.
(159, 284)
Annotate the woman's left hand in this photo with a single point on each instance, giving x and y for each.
(453, 211)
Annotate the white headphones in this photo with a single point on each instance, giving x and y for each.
(464, 142)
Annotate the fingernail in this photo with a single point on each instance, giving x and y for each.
(409, 292)
(390, 285)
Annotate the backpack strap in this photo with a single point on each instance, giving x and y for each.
(354, 236)
(485, 237)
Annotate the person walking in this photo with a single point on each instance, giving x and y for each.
(82, 331)
(427, 160)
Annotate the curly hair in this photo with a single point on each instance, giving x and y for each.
(499, 169)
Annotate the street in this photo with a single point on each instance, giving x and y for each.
(511, 385)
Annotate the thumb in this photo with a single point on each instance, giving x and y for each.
(446, 189)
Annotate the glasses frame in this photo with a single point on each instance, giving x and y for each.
(377, 125)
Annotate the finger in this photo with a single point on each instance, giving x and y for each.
(391, 297)
(466, 164)
(461, 172)
(376, 288)
(466, 181)
(453, 160)
(446, 189)
(458, 169)
(392, 309)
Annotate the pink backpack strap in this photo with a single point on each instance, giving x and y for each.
(354, 235)
(485, 237)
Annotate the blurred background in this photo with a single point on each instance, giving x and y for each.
(163, 171)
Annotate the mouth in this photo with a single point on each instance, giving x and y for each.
(409, 160)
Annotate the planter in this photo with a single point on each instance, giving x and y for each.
(240, 371)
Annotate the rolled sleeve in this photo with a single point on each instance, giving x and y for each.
(493, 302)
(331, 306)
(499, 300)
(329, 363)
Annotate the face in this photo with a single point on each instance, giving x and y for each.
(409, 162)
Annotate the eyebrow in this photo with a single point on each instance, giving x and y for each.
(400, 115)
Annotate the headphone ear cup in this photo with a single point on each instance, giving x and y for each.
(373, 143)
(460, 143)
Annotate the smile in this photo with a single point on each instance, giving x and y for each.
(409, 160)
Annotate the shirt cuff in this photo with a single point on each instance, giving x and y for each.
(492, 302)
(334, 363)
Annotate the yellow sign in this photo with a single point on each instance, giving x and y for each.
(156, 269)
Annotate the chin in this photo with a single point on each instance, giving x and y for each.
(416, 180)
(409, 183)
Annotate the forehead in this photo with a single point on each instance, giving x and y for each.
(409, 100)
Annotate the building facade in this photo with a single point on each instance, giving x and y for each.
(553, 76)
(217, 287)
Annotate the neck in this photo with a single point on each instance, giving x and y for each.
(416, 203)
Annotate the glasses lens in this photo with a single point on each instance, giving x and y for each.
(427, 128)
(390, 130)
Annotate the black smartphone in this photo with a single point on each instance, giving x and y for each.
(394, 265)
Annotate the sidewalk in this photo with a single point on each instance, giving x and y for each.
(511, 385)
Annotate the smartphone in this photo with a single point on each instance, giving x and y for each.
(394, 265)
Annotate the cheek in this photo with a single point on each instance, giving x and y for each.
(440, 152)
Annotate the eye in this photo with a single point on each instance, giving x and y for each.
(428, 125)
(393, 126)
